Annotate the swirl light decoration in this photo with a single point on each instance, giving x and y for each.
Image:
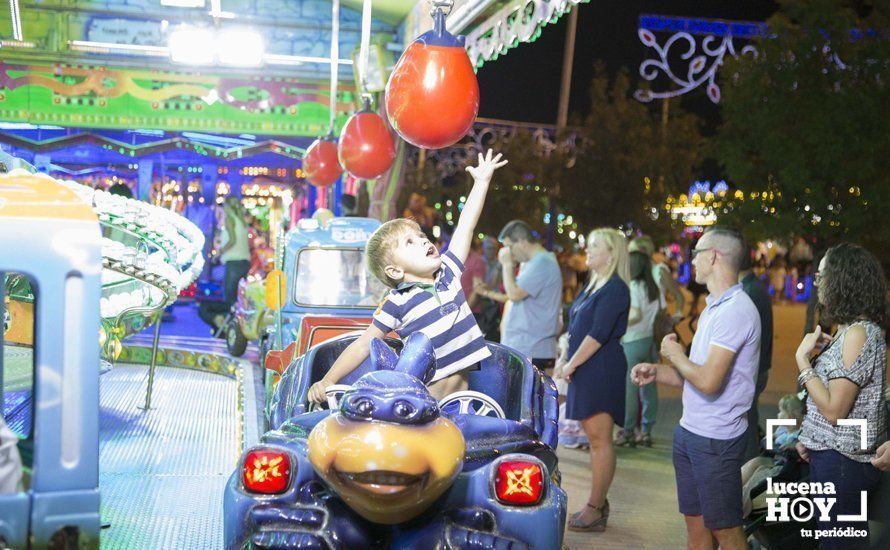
(698, 61)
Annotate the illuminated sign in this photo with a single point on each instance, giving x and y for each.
(349, 235)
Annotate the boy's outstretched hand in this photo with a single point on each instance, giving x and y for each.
(487, 166)
(466, 223)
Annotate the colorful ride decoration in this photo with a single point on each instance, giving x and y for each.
(321, 163)
(209, 360)
(110, 98)
(432, 96)
(366, 147)
(149, 254)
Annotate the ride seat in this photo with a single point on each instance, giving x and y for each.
(520, 390)
(506, 378)
(322, 357)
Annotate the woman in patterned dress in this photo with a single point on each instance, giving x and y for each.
(846, 383)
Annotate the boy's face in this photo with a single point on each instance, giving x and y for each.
(415, 255)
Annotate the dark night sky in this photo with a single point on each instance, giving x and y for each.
(524, 84)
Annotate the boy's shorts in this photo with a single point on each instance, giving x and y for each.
(709, 477)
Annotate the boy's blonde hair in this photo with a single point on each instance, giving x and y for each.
(381, 244)
(617, 243)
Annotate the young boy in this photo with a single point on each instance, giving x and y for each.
(426, 294)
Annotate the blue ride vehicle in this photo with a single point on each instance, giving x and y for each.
(326, 273)
(329, 289)
(386, 466)
(49, 366)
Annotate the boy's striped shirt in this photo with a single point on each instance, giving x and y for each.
(444, 316)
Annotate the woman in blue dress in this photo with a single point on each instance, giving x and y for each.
(597, 368)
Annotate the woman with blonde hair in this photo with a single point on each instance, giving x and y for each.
(597, 368)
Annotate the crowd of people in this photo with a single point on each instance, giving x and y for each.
(617, 341)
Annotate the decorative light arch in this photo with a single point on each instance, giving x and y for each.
(698, 61)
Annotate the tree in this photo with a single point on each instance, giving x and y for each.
(806, 121)
(631, 157)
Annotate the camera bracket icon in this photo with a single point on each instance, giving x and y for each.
(772, 423)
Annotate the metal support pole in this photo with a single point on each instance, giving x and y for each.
(154, 362)
(568, 59)
(562, 116)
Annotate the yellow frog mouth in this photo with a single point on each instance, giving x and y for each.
(383, 482)
(386, 472)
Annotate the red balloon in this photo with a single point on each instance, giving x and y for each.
(432, 95)
(320, 162)
(366, 147)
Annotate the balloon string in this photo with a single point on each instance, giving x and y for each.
(335, 58)
(365, 46)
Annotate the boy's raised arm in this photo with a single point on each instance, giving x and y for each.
(469, 216)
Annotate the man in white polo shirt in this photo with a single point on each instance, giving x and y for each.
(718, 380)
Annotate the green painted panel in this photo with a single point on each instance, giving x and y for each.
(124, 99)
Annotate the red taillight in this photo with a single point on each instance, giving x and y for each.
(519, 482)
(266, 471)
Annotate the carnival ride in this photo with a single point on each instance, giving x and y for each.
(388, 466)
(107, 266)
(83, 269)
(52, 248)
(149, 255)
(282, 494)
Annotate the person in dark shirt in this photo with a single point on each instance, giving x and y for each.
(348, 205)
(759, 294)
(121, 189)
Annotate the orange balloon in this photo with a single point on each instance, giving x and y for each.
(366, 147)
(432, 96)
(321, 164)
